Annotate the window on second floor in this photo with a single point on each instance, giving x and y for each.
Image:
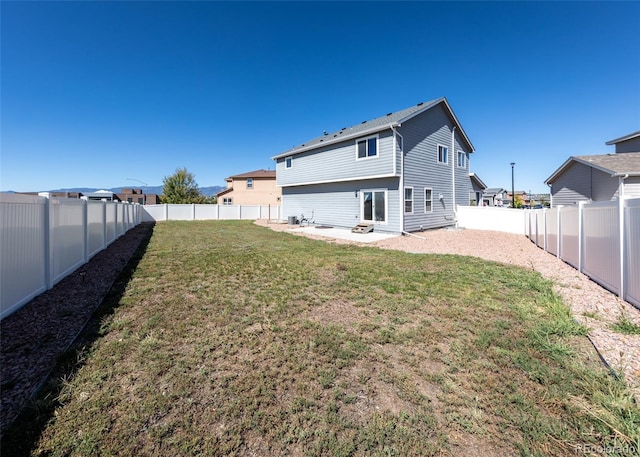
(367, 147)
(442, 153)
(288, 162)
(249, 183)
(462, 159)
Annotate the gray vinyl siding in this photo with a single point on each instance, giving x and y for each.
(583, 183)
(338, 204)
(632, 187)
(632, 145)
(337, 162)
(422, 135)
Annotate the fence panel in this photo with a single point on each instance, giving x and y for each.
(570, 235)
(632, 251)
(601, 244)
(67, 239)
(112, 218)
(23, 270)
(205, 212)
(492, 218)
(96, 220)
(551, 229)
(152, 213)
(180, 212)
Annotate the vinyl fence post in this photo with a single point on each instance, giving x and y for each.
(47, 239)
(85, 227)
(558, 232)
(580, 235)
(621, 222)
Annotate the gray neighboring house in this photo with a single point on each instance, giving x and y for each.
(495, 196)
(401, 172)
(599, 177)
(477, 190)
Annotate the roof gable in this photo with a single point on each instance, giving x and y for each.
(375, 125)
(612, 164)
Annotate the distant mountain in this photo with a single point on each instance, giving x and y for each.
(207, 191)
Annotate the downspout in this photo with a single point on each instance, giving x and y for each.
(401, 180)
(453, 173)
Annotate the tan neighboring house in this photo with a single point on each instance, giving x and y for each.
(253, 188)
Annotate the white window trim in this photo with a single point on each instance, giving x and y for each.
(404, 200)
(386, 206)
(438, 153)
(425, 200)
(250, 180)
(464, 158)
(367, 138)
(288, 162)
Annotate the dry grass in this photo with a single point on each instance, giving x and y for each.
(231, 339)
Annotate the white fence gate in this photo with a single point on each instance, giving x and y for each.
(44, 239)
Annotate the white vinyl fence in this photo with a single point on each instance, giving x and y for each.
(193, 212)
(492, 218)
(43, 239)
(600, 239)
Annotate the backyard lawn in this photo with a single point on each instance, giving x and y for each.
(232, 339)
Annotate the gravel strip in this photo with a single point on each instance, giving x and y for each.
(592, 305)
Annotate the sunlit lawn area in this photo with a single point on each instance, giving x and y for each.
(231, 339)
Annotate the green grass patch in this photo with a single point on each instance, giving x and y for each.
(231, 339)
(625, 326)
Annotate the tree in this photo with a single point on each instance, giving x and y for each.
(181, 187)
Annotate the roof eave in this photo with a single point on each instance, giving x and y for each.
(361, 133)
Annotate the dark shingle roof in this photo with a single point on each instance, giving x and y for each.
(256, 174)
(371, 126)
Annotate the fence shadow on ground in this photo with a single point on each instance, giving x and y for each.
(22, 436)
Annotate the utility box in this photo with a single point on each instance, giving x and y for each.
(293, 220)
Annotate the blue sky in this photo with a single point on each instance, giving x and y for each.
(94, 93)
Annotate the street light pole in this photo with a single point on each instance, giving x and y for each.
(513, 190)
(144, 201)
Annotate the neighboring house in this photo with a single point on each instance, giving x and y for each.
(401, 172)
(102, 195)
(627, 143)
(598, 177)
(477, 190)
(494, 196)
(253, 188)
(138, 196)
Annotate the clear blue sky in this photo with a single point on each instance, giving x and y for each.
(94, 93)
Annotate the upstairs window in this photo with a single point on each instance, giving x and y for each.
(462, 159)
(367, 147)
(249, 183)
(442, 153)
(287, 162)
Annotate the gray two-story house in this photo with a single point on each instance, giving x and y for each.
(402, 172)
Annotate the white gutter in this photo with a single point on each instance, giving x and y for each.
(453, 172)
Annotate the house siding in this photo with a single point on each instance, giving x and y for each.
(337, 162)
(583, 183)
(422, 135)
(632, 145)
(632, 187)
(338, 204)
